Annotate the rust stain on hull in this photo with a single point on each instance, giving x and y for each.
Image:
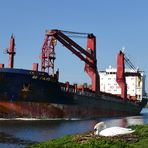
(45, 110)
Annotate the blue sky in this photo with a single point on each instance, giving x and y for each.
(116, 23)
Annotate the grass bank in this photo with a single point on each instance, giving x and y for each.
(139, 139)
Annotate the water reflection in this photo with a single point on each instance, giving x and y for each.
(125, 122)
(26, 132)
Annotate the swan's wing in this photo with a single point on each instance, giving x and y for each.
(113, 131)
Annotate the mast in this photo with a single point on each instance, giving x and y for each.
(11, 52)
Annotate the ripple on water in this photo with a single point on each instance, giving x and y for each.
(18, 133)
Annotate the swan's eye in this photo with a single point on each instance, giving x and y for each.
(95, 129)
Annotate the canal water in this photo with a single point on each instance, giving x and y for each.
(20, 133)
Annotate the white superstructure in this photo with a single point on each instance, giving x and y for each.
(135, 84)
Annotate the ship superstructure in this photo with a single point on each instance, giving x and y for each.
(135, 84)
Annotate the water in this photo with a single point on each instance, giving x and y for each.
(19, 133)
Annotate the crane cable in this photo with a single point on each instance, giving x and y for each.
(75, 34)
(129, 63)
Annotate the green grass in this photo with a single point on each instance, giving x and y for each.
(142, 132)
(139, 139)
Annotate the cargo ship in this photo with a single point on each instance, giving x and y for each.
(39, 94)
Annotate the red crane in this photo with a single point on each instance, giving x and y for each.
(11, 52)
(88, 56)
(48, 54)
(121, 74)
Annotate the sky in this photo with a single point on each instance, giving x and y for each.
(115, 23)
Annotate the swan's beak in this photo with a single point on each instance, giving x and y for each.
(95, 131)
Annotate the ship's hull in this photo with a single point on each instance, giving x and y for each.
(21, 109)
(25, 94)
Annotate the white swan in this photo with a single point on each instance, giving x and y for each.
(100, 129)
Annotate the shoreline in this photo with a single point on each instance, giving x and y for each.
(137, 139)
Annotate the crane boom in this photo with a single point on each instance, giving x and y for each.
(71, 45)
